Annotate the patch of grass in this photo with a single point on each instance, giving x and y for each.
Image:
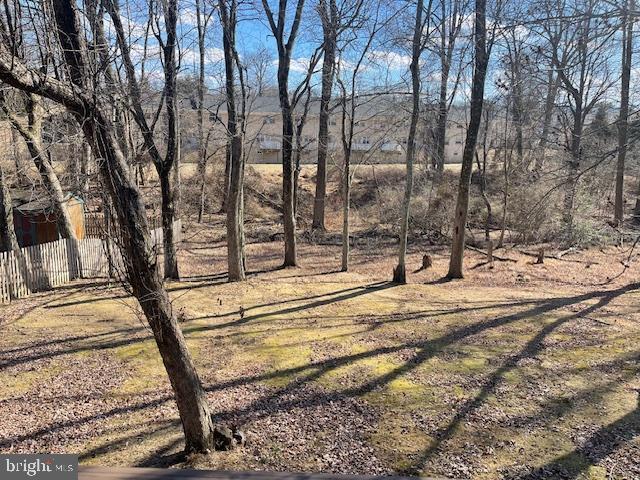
(144, 365)
(16, 384)
(400, 442)
(130, 438)
(279, 357)
(421, 357)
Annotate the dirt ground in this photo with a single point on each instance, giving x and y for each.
(520, 371)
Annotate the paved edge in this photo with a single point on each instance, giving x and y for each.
(120, 473)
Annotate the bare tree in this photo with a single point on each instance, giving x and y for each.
(31, 132)
(350, 99)
(346, 133)
(482, 163)
(481, 61)
(449, 19)
(552, 85)
(202, 19)
(31, 129)
(516, 60)
(163, 164)
(577, 43)
(77, 94)
(301, 101)
(328, 12)
(623, 118)
(258, 65)
(235, 139)
(8, 239)
(335, 19)
(285, 49)
(417, 47)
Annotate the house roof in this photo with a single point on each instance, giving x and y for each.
(34, 201)
(369, 104)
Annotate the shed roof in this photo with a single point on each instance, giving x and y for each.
(36, 201)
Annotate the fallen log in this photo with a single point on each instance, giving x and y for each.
(495, 257)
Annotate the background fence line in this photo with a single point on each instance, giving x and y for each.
(42, 267)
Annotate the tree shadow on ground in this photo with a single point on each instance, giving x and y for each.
(177, 287)
(425, 350)
(530, 350)
(596, 448)
(158, 429)
(281, 398)
(319, 300)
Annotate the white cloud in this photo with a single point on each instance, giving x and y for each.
(188, 17)
(131, 27)
(138, 52)
(391, 60)
(192, 56)
(299, 65)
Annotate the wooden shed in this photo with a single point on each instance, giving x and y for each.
(34, 219)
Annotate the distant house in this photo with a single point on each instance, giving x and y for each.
(34, 219)
(380, 129)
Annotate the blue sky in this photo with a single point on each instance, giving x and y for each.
(387, 62)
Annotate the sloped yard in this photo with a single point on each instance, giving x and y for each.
(341, 375)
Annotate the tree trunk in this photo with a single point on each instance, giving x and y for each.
(84, 170)
(170, 193)
(203, 196)
(328, 19)
(167, 191)
(142, 274)
(285, 49)
(573, 166)
(482, 168)
(400, 272)
(235, 130)
(141, 174)
(21, 172)
(301, 121)
(623, 120)
(235, 221)
(202, 149)
(441, 126)
(177, 178)
(568, 201)
(517, 101)
(449, 26)
(227, 180)
(506, 168)
(8, 239)
(518, 119)
(477, 97)
(108, 233)
(552, 89)
(297, 154)
(288, 200)
(636, 208)
(346, 200)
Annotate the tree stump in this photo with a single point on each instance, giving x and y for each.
(490, 253)
(225, 439)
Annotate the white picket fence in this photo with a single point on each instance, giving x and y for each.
(48, 265)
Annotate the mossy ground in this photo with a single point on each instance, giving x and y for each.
(465, 381)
